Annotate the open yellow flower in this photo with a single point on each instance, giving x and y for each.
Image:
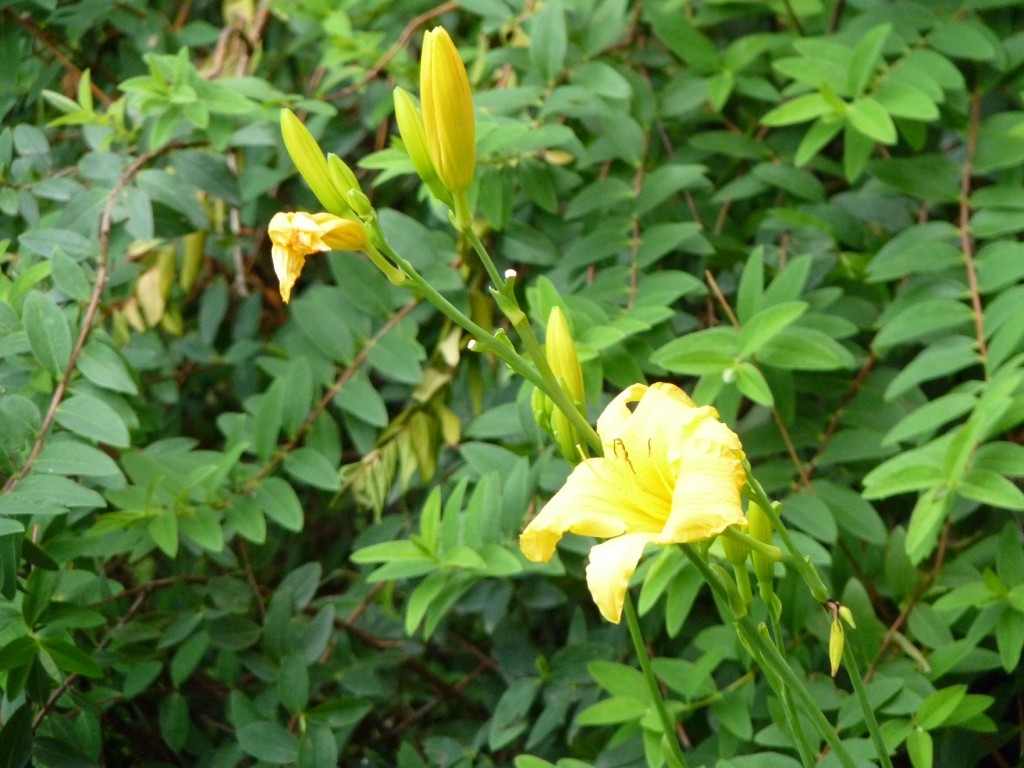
(671, 473)
(297, 235)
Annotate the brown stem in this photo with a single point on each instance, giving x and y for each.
(102, 272)
(966, 245)
(325, 401)
(47, 40)
(403, 40)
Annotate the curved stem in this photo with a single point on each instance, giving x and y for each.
(675, 756)
(862, 696)
(798, 560)
(769, 656)
(504, 352)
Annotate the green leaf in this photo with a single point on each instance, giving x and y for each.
(799, 348)
(920, 748)
(619, 709)
(69, 457)
(90, 417)
(48, 332)
(766, 324)
(869, 117)
(937, 708)
(1010, 638)
(511, 713)
(866, 57)
(930, 417)
(70, 658)
(709, 351)
(751, 382)
(548, 39)
(293, 682)
(163, 527)
(926, 521)
(990, 488)
(921, 319)
(799, 110)
(312, 468)
(268, 741)
(280, 504)
(102, 366)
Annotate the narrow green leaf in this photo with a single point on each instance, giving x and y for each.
(48, 332)
(766, 324)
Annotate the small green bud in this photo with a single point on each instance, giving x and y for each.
(342, 177)
(760, 527)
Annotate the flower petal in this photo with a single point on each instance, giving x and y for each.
(643, 426)
(707, 494)
(611, 566)
(600, 498)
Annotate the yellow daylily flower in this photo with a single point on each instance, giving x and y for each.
(297, 235)
(671, 473)
(448, 119)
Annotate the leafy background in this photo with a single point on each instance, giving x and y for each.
(238, 533)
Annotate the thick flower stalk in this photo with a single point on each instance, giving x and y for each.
(671, 473)
(448, 120)
(297, 235)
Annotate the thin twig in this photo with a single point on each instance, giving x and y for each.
(44, 37)
(102, 272)
(325, 401)
(965, 221)
(403, 40)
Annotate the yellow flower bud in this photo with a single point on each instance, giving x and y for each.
(297, 235)
(448, 120)
(310, 162)
(561, 354)
(410, 127)
(836, 640)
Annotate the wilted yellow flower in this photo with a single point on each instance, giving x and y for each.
(297, 235)
(671, 473)
(448, 119)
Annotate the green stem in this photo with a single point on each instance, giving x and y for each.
(746, 539)
(862, 696)
(773, 661)
(675, 757)
(489, 343)
(802, 745)
(798, 560)
(485, 258)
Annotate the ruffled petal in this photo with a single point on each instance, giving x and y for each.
(642, 428)
(600, 498)
(287, 266)
(707, 493)
(611, 566)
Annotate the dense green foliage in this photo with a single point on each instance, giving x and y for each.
(234, 532)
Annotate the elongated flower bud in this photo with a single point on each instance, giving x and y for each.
(562, 357)
(410, 127)
(310, 162)
(448, 120)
